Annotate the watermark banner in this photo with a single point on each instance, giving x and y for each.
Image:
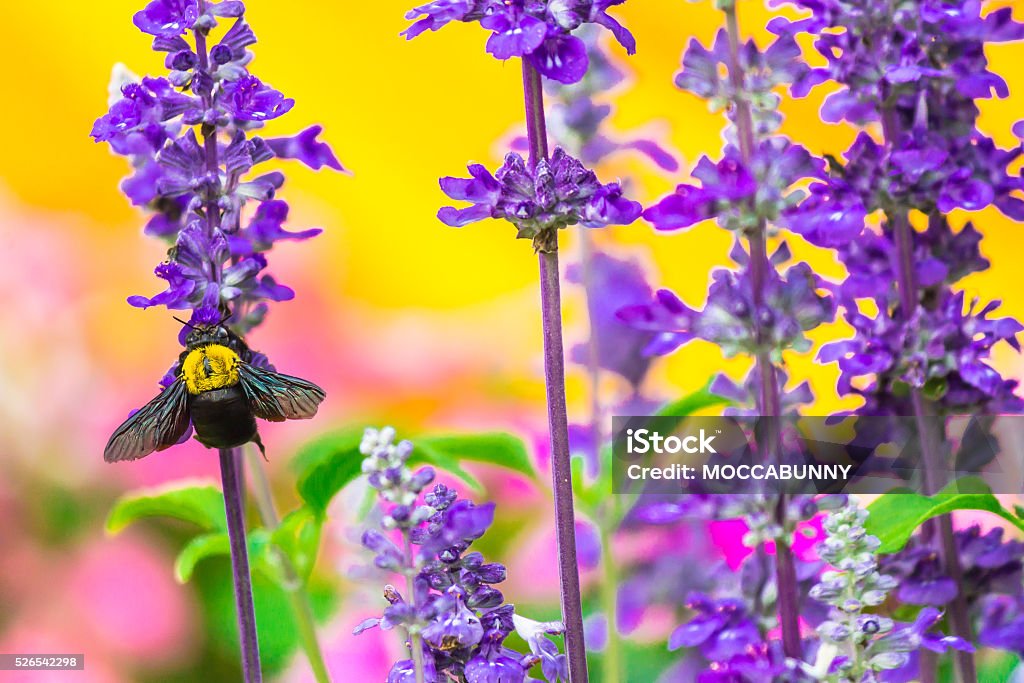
(867, 455)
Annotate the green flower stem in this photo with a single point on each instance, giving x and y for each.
(612, 669)
(297, 597)
(415, 638)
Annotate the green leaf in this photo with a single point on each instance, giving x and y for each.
(298, 537)
(494, 448)
(896, 515)
(199, 548)
(692, 403)
(424, 454)
(219, 544)
(275, 621)
(588, 497)
(326, 465)
(200, 505)
(296, 540)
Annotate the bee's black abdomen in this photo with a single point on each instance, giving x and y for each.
(222, 418)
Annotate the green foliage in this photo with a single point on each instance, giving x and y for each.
(996, 667)
(688, 405)
(275, 620)
(286, 555)
(298, 537)
(328, 464)
(495, 448)
(199, 548)
(896, 515)
(448, 451)
(198, 504)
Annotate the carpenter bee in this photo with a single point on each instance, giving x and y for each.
(221, 392)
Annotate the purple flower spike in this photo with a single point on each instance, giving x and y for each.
(451, 600)
(739, 193)
(167, 18)
(460, 628)
(165, 127)
(790, 305)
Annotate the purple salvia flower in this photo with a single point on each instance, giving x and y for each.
(540, 32)
(1001, 624)
(248, 99)
(937, 47)
(556, 193)
(455, 619)
(991, 566)
(789, 304)
(755, 310)
(167, 18)
(152, 124)
(575, 119)
(721, 629)
(738, 193)
(763, 72)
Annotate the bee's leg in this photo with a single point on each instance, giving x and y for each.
(263, 451)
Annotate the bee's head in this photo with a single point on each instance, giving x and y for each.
(207, 334)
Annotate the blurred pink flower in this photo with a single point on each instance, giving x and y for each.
(727, 536)
(366, 657)
(28, 638)
(123, 591)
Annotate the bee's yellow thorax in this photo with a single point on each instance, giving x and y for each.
(210, 367)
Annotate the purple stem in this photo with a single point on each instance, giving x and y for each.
(558, 423)
(769, 399)
(231, 476)
(230, 458)
(959, 619)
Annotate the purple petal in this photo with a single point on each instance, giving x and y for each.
(457, 218)
(655, 152)
(563, 59)
(306, 148)
(517, 40)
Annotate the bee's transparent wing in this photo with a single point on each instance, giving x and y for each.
(157, 425)
(277, 397)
